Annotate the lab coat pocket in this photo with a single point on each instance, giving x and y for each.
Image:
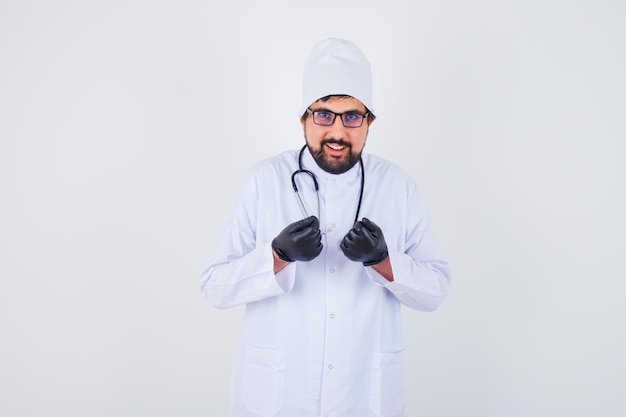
(263, 380)
(387, 384)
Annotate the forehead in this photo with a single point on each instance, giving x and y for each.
(338, 103)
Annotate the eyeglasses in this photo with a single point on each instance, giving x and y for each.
(327, 118)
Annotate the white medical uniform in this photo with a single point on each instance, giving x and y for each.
(323, 338)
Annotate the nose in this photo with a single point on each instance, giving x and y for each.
(337, 128)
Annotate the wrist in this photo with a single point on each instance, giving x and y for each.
(378, 260)
(279, 253)
(384, 269)
(279, 263)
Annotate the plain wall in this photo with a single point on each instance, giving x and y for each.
(125, 126)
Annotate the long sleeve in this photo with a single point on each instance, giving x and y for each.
(240, 267)
(246, 279)
(418, 285)
(422, 277)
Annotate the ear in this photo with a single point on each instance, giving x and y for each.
(303, 120)
(371, 119)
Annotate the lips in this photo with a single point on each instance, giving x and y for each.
(335, 150)
(335, 146)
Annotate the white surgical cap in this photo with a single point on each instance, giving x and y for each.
(336, 67)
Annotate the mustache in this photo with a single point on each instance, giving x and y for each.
(339, 142)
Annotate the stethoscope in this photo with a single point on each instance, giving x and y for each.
(301, 170)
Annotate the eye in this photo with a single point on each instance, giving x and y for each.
(324, 115)
(352, 117)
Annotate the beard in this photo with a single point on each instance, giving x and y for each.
(332, 164)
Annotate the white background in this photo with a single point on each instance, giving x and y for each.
(125, 125)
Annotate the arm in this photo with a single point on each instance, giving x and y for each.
(411, 266)
(255, 276)
(420, 274)
(245, 279)
(384, 269)
(279, 264)
(240, 268)
(419, 284)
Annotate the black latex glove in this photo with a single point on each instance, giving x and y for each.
(365, 243)
(300, 241)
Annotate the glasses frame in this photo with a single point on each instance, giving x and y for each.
(343, 122)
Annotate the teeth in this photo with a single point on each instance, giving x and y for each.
(335, 146)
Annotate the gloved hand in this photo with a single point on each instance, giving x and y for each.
(365, 243)
(300, 241)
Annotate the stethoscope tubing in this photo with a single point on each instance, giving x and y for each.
(295, 188)
(301, 170)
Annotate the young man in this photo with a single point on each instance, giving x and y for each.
(323, 271)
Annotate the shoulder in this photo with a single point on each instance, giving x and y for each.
(267, 175)
(385, 169)
(280, 164)
(389, 178)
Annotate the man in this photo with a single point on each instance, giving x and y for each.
(323, 273)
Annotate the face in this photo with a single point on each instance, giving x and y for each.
(336, 148)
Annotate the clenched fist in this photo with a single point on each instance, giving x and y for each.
(300, 241)
(365, 243)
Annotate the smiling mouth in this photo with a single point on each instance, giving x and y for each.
(335, 146)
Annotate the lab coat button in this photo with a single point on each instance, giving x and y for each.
(332, 270)
(330, 366)
(332, 316)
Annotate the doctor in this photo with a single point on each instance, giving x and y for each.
(323, 271)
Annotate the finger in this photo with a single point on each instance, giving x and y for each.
(369, 237)
(304, 224)
(346, 248)
(307, 234)
(318, 249)
(358, 226)
(369, 224)
(311, 222)
(351, 236)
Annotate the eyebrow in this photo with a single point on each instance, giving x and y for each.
(357, 111)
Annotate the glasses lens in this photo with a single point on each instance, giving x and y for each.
(352, 119)
(324, 118)
(327, 118)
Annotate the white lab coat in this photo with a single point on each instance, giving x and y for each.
(323, 338)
